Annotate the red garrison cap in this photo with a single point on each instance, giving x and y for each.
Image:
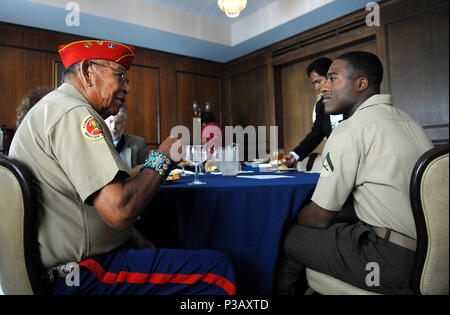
(96, 49)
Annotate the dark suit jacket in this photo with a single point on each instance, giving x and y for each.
(320, 129)
(133, 148)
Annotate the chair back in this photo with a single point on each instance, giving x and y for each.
(429, 200)
(20, 264)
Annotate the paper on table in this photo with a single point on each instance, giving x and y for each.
(266, 176)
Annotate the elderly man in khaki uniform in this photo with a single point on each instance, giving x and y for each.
(90, 198)
(365, 177)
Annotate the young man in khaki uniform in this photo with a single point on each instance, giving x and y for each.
(365, 176)
(90, 198)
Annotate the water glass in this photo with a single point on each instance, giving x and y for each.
(196, 154)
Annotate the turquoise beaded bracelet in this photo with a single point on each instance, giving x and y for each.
(160, 163)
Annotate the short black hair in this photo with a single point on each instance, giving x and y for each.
(207, 117)
(365, 64)
(319, 66)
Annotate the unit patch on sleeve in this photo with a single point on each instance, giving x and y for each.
(91, 129)
(327, 166)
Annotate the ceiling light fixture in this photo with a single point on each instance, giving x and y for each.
(232, 8)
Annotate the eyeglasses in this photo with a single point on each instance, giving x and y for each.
(123, 76)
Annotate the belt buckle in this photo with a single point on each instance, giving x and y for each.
(387, 236)
(66, 269)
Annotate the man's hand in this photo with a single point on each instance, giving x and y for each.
(172, 148)
(290, 160)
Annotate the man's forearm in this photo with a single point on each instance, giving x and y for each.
(120, 202)
(139, 190)
(314, 216)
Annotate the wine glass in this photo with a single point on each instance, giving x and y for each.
(196, 154)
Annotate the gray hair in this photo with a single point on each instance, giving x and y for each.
(70, 71)
(123, 111)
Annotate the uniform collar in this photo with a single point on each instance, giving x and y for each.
(72, 91)
(376, 100)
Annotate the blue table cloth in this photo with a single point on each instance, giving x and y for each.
(241, 217)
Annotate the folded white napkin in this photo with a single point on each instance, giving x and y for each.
(177, 170)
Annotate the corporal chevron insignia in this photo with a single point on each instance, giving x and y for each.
(327, 166)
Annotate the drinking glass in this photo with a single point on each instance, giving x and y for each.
(281, 156)
(277, 158)
(228, 158)
(196, 154)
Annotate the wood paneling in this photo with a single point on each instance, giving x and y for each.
(21, 72)
(252, 104)
(418, 68)
(143, 104)
(201, 88)
(248, 98)
(10, 61)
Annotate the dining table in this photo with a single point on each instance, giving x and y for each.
(243, 216)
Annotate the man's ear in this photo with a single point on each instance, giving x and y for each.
(86, 73)
(362, 84)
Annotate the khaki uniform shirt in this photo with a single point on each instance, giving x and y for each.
(371, 155)
(69, 148)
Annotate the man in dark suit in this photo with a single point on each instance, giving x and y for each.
(132, 149)
(323, 123)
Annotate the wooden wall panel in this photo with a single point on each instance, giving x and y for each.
(201, 88)
(248, 98)
(10, 81)
(252, 104)
(32, 69)
(22, 70)
(418, 68)
(143, 104)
